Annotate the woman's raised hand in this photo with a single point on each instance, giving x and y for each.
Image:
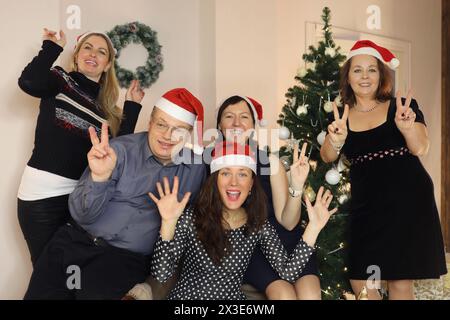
(169, 207)
(337, 130)
(300, 168)
(319, 214)
(135, 92)
(52, 36)
(404, 116)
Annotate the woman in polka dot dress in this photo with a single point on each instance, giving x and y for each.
(217, 237)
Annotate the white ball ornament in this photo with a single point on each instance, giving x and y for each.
(284, 133)
(328, 106)
(302, 110)
(332, 177)
(321, 137)
(330, 51)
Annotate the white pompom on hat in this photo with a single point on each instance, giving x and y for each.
(370, 48)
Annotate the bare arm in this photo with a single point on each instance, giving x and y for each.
(415, 133)
(288, 208)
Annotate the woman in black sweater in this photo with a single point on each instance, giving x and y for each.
(71, 102)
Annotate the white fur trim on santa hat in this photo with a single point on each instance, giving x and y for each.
(176, 111)
(366, 50)
(233, 160)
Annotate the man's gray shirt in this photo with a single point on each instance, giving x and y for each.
(120, 210)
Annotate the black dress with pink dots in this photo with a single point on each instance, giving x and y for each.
(394, 227)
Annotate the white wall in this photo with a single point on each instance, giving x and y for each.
(21, 40)
(213, 47)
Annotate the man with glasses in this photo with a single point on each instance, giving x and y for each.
(105, 250)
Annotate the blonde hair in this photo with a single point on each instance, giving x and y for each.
(109, 86)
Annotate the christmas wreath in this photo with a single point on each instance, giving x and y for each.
(139, 33)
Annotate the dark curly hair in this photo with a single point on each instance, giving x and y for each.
(209, 220)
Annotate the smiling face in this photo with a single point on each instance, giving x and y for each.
(93, 57)
(166, 135)
(364, 76)
(235, 120)
(234, 184)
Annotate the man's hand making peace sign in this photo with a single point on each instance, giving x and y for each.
(102, 158)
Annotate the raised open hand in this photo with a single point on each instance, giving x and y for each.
(337, 130)
(101, 158)
(319, 214)
(135, 92)
(300, 168)
(51, 35)
(169, 207)
(404, 116)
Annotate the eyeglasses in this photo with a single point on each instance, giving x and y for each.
(175, 132)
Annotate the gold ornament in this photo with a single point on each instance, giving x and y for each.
(310, 194)
(363, 295)
(313, 164)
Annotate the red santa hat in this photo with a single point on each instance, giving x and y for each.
(184, 106)
(372, 49)
(232, 154)
(257, 111)
(88, 33)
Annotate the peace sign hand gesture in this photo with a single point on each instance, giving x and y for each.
(337, 130)
(169, 207)
(300, 168)
(404, 116)
(318, 214)
(101, 158)
(51, 35)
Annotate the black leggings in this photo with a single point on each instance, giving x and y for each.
(39, 221)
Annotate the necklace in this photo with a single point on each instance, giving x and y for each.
(368, 110)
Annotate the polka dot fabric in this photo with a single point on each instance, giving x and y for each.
(200, 279)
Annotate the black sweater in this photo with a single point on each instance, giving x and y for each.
(68, 108)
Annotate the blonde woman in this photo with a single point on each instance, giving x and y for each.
(71, 102)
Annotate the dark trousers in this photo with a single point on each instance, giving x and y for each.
(39, 221)
(103, 271)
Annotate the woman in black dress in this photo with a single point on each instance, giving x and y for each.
(217, 237)
(395, 233)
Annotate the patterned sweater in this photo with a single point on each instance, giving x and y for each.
(68, 108)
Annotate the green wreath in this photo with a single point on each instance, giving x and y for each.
(139, 33)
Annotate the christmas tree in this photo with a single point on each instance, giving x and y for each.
(305, 117)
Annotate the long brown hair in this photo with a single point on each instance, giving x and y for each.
(209, 216)
(384, 87)
(109, 86)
